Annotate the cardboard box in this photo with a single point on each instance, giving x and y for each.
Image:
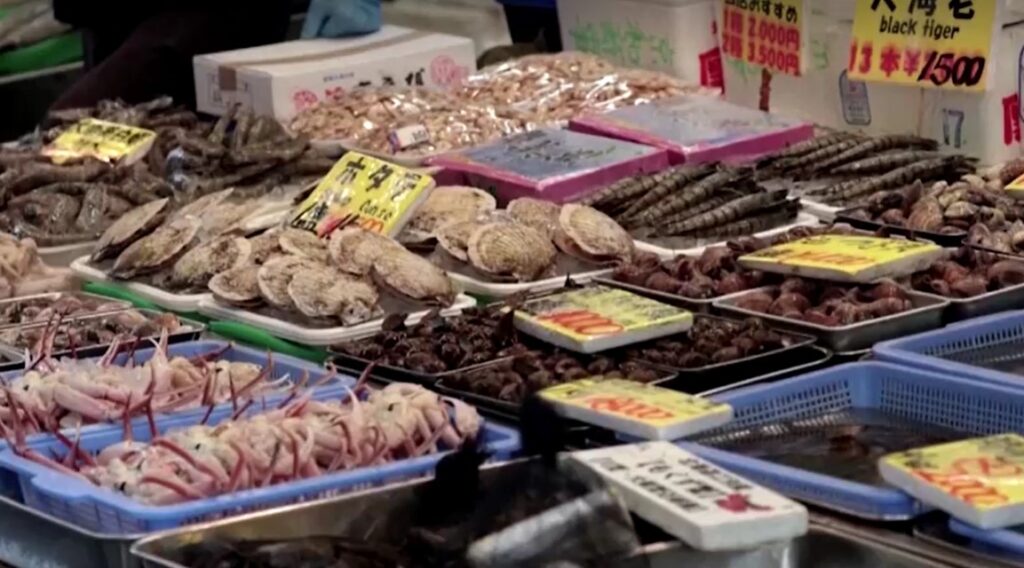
(678, 37)
(281, 79)
(551, 164)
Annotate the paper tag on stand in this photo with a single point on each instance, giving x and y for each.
(408, 137)
(706, 507)
(597, 317)
(937, 44)
(106, 141)
(845, 258)
(374, 194)
(768, 34)
(980, 481)
(633, 408)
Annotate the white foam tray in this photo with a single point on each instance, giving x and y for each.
(314, 336)
(174, 302)
(802, 220)
(64, 255)
(827, 213)
(471, 285)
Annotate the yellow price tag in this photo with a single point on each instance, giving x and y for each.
(1016, 187)
(937, 44)
(601, 317)
(374, 194)
(985, 473)
(768, 34)
(845, 257)
(107, 141)
(636, 401)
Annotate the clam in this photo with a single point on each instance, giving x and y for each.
(541, 215)
(323, 292)
(302, 243)
(157, 249)
(276, 274)
(446, 204)
(196, 267)
(411, 276)
(511, 249)
(586, 233)
(354, 250)
(130, 227)
(238, 286)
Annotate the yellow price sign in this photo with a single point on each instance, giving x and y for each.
(106, 141)
(845, 256)
(936, 44)
(636, 401)
(374, 194)
(984, 473)
(769, 34)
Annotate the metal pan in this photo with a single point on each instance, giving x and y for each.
(941, 239)
(190, 330)
(925, 315)
(52, 297)
(695, 305)
(792, 362)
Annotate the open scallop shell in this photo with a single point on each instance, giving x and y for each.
(197, 266)
(411, 276)
(511, 249)
(238, 286)
(324, 292)
(276, 274)
(130, 227)
(585, 232)
(302, 243)
(354, 250)
(447, 204)
(541, 215)
(157, 249)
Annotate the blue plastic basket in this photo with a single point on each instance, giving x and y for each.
(1001, 542)
(923, 396)
(105, 511)
(929, 350)
(282, 366)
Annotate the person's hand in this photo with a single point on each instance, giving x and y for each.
(338, 18)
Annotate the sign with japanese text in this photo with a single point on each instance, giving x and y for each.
(768, 33)
(374, 194)
(849, 258)
(943, 44)
(978, 480)
(105, 141)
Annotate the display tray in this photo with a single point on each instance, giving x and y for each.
(794, 361)
(189, 330)
(925, 315)
(473, 281)
(695, 305)
(308, 333)
(802, 220)
(941, 239)
(83, 268)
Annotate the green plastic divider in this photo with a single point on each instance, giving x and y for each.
(247, 334)
(115, 291)
(50, 52)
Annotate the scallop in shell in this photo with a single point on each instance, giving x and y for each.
(447, 204)
(586, 233)
(411, 276)
(511, 249)
(354, 250)
(129, 227)
(264, 246)
(453, 238)
(323, 292)
(276, 274)
(196, 267)
(203, 205)
(238, 286)
(157, 249)
(541, 215)
(302, 243)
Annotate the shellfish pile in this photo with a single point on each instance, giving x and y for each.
(827, 304)
(520, 243)
(969, 272)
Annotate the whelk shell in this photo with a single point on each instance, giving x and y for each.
(157, 249)
(511, 249)
(129, 227)
(597, 236)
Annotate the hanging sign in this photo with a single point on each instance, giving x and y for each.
(771, 34)
(941, 44)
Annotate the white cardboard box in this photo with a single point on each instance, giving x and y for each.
(281, 79)
(678, 37)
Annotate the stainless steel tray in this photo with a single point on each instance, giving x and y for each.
(959, 309)
(693, 304)
(829, 543)
(925, 315)
(55, 296)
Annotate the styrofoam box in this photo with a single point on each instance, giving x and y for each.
(282, 79)
(674, 36)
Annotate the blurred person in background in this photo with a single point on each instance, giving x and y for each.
(137, 50)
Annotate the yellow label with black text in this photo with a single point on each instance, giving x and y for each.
(985, 473)
(361, 190)
(768, 34)
(845, 254)
(110, 142)
(634, 401)
(943, 44)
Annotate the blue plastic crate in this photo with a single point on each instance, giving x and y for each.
(108, 512)
(1001, 542)
(283, 366)
(957, 404)
(929, 350)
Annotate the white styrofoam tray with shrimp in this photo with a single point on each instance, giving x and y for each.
(802, 220)
(307, 335)
(82, 268)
